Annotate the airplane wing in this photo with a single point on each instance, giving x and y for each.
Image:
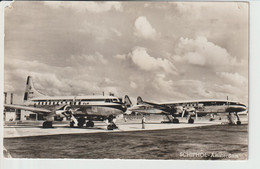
(164, 108)
(28, 108)
(157, 106)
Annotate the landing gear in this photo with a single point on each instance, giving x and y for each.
(212, 117)
(111, 123)
(47, 124)
(81, 121)
(112, 126)
(72, 124)
(90, 124)
(191, 121)
(232, 121)
(238, 120)
(175, 120)
(171, 119)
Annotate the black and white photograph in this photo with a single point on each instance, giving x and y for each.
(140, 80)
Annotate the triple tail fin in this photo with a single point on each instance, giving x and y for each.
(139, 100)
(128, 102)
(30, 91)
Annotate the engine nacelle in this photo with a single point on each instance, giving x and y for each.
(66, 111)
(179, 109)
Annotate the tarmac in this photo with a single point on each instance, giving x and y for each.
(33, 128)
(158, 140)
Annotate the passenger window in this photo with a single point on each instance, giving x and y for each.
(107, 100)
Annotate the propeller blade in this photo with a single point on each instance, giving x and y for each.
(183, 112)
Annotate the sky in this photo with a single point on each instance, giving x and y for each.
(162, 51)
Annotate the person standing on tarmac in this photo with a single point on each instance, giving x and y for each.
(143, 122)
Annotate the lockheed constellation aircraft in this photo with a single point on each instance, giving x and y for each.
(189, 108)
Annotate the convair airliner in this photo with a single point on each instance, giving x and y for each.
(77, 108)
(189, 108)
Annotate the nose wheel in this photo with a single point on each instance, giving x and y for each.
(238, 120)
(112, 126)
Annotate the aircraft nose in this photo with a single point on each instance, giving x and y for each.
(243, 107)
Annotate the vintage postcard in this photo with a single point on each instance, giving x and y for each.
(126, 80)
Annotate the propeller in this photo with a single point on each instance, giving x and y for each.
(183, 112)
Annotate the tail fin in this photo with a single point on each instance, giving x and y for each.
(30, 91)
(128, 102)
(139, 100)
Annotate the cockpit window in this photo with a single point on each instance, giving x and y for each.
(115, 100)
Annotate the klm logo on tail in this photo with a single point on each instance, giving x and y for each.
(30, 91)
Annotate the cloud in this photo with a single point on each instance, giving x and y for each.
(95, 7)
(202, 52)
(233, 78)
(144, 61)
(83, 60)
(160, 83)
(144, 29)
(92, 47)
(133, 85)
(118, 56)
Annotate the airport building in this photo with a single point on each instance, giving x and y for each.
(17, 114)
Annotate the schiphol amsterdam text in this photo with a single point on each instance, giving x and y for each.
(207, 155)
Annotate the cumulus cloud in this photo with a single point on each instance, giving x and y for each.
(202, 52)
(144, 61)
(95, 7)
(79, 48)
(144, 29)
(161, 83)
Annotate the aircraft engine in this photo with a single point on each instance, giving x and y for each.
(65, 111)
(179, 109)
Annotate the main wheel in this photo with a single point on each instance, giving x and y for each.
(238, 122)
(90, 124)
(81, 122)
(47, 124)
(190, 121)
(175, 121)
(72, 124)
(110, 127)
